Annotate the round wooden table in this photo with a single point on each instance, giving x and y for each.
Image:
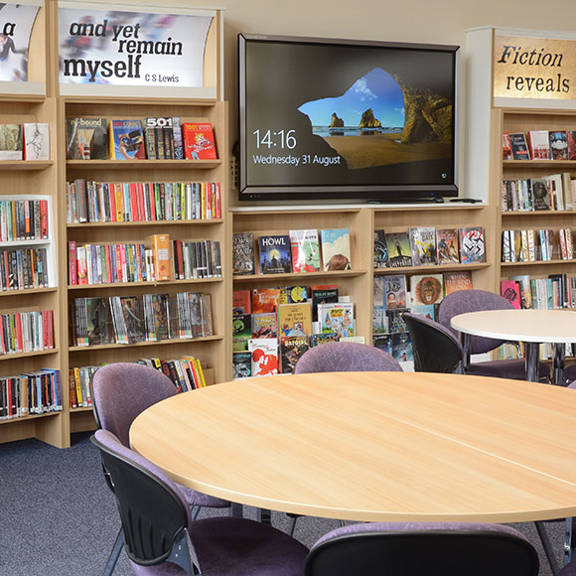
(373, 446)
(532, 327)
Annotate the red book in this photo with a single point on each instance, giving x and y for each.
(179, 260)
(511, 291)
(217, 201)
(72, 263)
(18, 332)
(44, 218)
(199, 143)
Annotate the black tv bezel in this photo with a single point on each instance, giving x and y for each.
(382, 193)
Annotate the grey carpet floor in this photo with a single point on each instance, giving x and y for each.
(57, 517)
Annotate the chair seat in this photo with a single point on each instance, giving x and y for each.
(513, 369)
(568, 570)
(198, 499)
(570, 373)
(238, 547)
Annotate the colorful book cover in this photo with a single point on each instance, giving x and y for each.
(395, 291)
(294, 319)
(198, 140)
(264, 325)
(519, 146)
(457, 280)
(264, 356)
(274, 253)
(293, 294)
(525, 287)
(429, 311)
(571, 139)
(379, 320)
(336, 249)
(11, 142)
(242, 365)
(423, 245)
(243, 253)
(322, 294)
(127, 140)
(402, 347)
(318, 339)
(305, 250)
(241, 302)
(396, 324)
(399, 253)
(383, 342)
(86, 138)
(291, 350)
(506, 147)
(472, 245)
(338, 318)
(265, 299)
(559, 145)
(426, 289)
(241, 332)
(511, 291)
(447, 248)
(380, 249)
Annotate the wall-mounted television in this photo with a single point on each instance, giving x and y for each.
(338, 119)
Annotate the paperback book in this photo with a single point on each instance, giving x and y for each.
(305, 250)
(293, 294)
(394, 291)
(338, 318)
(336, 249)
(241, 332)
(447, 247)
(198, 141)
(243, 253)
(322, 294)
(11, 142)
(265, 300)
(559, 145)
(274, 252)
(241, 365)
(36, 141)
(127, 140)
(472, 245)
(291, 350)
(380, 249)
(86, 138)
(264, 325)
(294, 319)
(399, 252)
(264, 356)
(457, 280)
(426, 289)
(423, 245)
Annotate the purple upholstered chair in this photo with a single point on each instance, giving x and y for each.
(163, 540)
(346, 357)
(464, 301)
(415, 549)
(120, 392)
(568, 570)
(435, 348)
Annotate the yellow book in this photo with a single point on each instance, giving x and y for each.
(160, 245)
(79, 396)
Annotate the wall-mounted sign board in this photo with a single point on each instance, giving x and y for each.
(128, 51)
(20, 68)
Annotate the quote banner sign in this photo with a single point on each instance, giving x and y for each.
(121, 48)
(530, 67)
(16, 23)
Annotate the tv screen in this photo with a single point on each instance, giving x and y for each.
(342, 119)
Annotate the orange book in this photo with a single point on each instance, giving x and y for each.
(160, 244)
(199, 143)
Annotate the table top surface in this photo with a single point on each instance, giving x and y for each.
(556, 326)
(373, 446)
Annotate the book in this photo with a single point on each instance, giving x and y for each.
(241, 365)
(305, 250)
(318, 339)
(294, 319)
(265, 299)
(383, 342)
(86, 138)
(336, 249)
(519, 146)
(322, 294)
(506, 147)
(159, 138)
(241, 302)
(11, 142)
(541, 199)
(571, 140)
(241, 332)
(399, 252)
(198, 141)
(511, 291)
(274, 254)
(423, 245)
(264, 356)
(558, 145)
(457, 280)
(133, 319)
(293, 294)
(402, 347)
(380, 249)
(36, 141)
(472, 245)
(291, 350)
(426, 289)
(243, 253)
(379, 320)
(394, 291)
(396, 324)
(447, 247)
(264, 325)
(429, 311)
(539, 144)
(160, 246)
(337, 317)
(127, 140)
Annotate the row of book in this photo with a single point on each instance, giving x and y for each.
(515, 351)
(298, 251)
(537, 245)
(554, 192)
(539, 145)
(145, 318)
(153, 138)
(426, 246)
(91, 201)
(397, 344)
(547, 293)
(28, 141)
(31, 331)
(22, 268)
(30, 393)
(185, 373)
(108, 263)
(23, 220)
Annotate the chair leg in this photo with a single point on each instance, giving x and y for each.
(569, 541)
(292, 523)
(194, 511)
(548, 548)
(114, 554)
(236, 510)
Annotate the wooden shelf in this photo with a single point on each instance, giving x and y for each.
(432, 269)
(538, 263)
(303, 276)
(30, 417)
(540, 163)
(147, 223)
(151, 284)
(141, 164)
(538, 213)
(28, 291)
(29, 354)
(25, 164)
(144, 344)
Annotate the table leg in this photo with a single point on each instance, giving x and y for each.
(465, 340)
(531, 356)
(263, 515)
(235, 510)
(559, 377)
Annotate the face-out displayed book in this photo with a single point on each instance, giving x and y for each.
(399, 251)
(86, 138)
(264, 356)
(337, 317)
(241, 332)
(294, 319)
(472, 245)
(380, 249)
(336, 249)
(291, 350)
(423, 245)
(11, 142)
(243, 253)
(274, 254)
(36, 141)
(264, 325)
(127, 140)
(447, 247)
(426, 289)
(305, 250)
(198, 141)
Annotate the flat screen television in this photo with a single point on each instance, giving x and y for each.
(337, 119)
